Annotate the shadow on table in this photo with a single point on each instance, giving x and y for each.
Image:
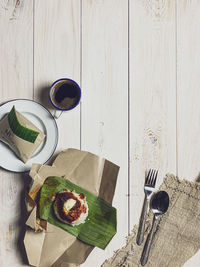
(43, 97)
(51, 160)
(21, 223)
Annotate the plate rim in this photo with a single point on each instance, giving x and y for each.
(56, 127)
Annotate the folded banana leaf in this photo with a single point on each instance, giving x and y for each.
(100, 225)
(20, 130)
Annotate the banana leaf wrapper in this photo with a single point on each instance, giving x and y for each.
(100, 225)
(20, 134)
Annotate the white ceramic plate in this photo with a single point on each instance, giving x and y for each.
(43, 119)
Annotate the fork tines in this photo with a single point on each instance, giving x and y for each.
(151, 177)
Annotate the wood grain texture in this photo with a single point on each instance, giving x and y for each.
(188, 84)
(16, 46)
(105, 100)
(152, 95)
(16, 81)
(57, 55)
(137, 62)
(188, 108)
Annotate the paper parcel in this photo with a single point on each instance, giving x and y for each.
(56, 247)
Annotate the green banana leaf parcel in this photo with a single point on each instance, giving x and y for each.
(100, 225)
(20, 130)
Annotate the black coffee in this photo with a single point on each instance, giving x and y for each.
(66, 95)
(66, 90)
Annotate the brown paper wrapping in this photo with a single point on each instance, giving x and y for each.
(55, 247)
(22, 148)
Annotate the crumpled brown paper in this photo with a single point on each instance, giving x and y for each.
(55, 247)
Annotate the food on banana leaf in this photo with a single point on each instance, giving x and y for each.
(100, 224)
(70, 207)
(21, 135)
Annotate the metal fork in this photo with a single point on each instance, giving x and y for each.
(149, 188)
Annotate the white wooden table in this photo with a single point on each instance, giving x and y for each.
(138, 64)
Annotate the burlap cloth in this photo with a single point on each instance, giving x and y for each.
(177, 236)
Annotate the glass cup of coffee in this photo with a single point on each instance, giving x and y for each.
(64, 94)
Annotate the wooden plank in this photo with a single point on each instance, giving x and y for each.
(16, 26)
(57, 55)
(188, 109)
(152, 95)
(16, 79)
(105, 100)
